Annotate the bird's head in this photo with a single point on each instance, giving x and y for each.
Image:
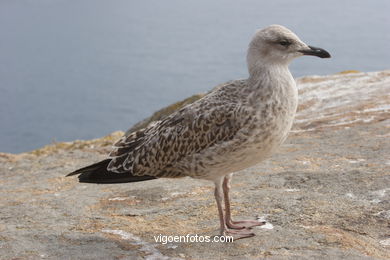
(276, 44)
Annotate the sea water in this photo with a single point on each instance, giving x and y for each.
(83, 69)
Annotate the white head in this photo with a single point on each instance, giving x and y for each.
(276, 44)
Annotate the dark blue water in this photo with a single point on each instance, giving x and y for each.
(82, 69)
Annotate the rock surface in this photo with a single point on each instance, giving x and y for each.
(324, 195)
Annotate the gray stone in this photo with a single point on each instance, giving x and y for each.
(324, 195)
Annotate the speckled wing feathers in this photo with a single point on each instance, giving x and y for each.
(156, 149)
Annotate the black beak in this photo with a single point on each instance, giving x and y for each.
(314, 51)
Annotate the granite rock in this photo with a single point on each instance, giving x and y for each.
(324, 195)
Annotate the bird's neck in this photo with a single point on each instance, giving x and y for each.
(272, 85)
(268, 74)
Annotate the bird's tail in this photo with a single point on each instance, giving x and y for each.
(98, 173)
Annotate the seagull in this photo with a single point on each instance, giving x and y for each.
(235, 126)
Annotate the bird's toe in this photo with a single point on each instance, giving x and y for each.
(244, 224)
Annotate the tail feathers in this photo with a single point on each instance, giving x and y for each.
(98, 173)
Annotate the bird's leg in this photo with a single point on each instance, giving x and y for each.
(225, 231)
(228, 218)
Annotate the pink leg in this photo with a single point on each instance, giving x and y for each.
(225, 231)
(229, 222)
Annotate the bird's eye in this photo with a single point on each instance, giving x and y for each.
(284, 43)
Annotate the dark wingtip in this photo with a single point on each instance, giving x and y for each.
(90, 168)
(98, 173)
(72, 173)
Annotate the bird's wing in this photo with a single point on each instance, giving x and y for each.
(187, 131)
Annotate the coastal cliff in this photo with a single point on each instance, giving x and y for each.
(325, 194)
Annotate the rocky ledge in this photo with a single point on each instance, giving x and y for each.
(324, 195)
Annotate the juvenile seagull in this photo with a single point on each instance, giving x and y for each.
(232, 128)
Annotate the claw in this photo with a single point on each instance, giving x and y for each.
(244, 224)
(239, 234)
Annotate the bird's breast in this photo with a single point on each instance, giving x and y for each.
(262, 130)
(268, 127)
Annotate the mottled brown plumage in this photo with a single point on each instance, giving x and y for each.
(160, 149)
(235, 126)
